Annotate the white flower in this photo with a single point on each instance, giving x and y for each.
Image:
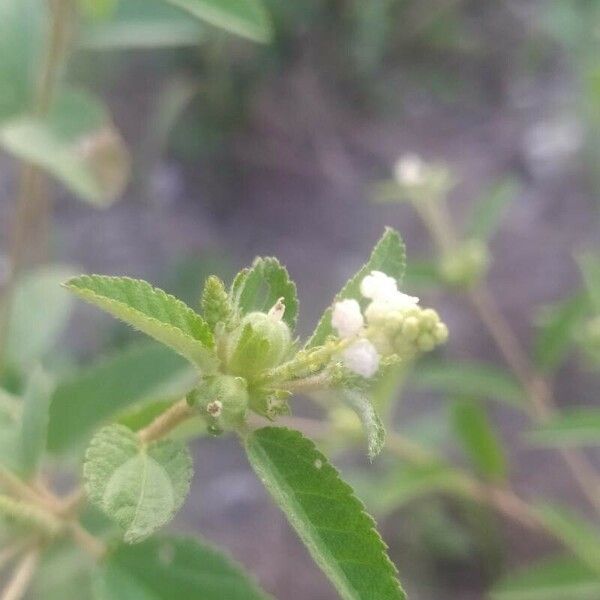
(361, 358)
(347, 318)
(409, 170)
(378, 286)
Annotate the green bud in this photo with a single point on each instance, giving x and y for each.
(426, 342)
(216, 306)
(381, 340)
(410, 328)
(440, 332)
(222, 399)
(260, 342)
(466, 266)
(429, 319)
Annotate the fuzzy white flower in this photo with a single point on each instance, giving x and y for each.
(378, 286)
(409, 170)
(361, 358)
(347, 318)
(380, 310)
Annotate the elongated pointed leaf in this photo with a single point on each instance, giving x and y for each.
(259, 287)
(490, 209)
(172, 568)
(575, 427)
(152, 311)
(389, 256)
(562, 578)
(76, 142)
(469, 379)
(34, 421)
(140, 487)
(91, 396)
(327, 516)
(581, 536)
(244, 17)
(479, 439)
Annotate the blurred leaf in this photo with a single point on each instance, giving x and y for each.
(10, 414)
(139, 486)
(39, 314)
(590, 269)
(21, 47)
(562, 578)
(478, 438)
(34, 420)
(421, 275)
(141, 24)
(554, 336)
(468, 379)
(152, 311)
(491, 207)
(247, 18)
(98, 10)
(369, 418)
(76, 143)
(329, 519)
(581, 536)
(259, 287)
(575, 427)
(169, 568)
(91, 396)
(406, 483)
(389, 256)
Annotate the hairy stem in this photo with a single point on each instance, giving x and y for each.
(166, 422)
(19, 582)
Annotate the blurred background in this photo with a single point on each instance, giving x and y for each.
(242, 149)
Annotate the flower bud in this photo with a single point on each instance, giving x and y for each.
(425, 342)
(466, 265)
(429, 319)
(440, 332)
(222, 399)
(410, 328)
(260, 342)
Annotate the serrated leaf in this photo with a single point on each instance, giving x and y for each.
(562, 578)
(152, 311)
(34, 420)
(247, 18)
(389, 256)
(140, 487)
(579, 535)
(76, 142)
(478, 438)
(490, 209)
(169, 568)
(39, 315)
(575, 427)
(369, 418)
(323, 510)
(469, 379)
(259, 287)
(92, 395)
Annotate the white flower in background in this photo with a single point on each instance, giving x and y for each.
(361, 358)
(409, 170)
(347, 319)
(377, 285)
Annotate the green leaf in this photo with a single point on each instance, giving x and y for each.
(581, 536)
(139, 486)
(169, 568)
(589, 265)
(34, 421)
(575, 427)
(369, 418)
(141, 24)
(490, 209)
(76, 143)
(555, 331)
(259, 287)
(468, 379)
(479, 439)
(247, 18)
(389, 256)
(562, 578)
(327, 516)
(10, 447)
(93, 395)
(39, 315)
(152, 311)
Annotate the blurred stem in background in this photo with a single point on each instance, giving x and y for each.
(31, 222)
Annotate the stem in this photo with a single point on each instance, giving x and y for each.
(85, 540)
(32, 210)
(18, 584)
(17, 487)
(166, 422)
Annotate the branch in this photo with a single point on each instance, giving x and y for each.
(23, 573)
(166, 422)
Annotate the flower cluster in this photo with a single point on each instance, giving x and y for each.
(393, 324)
